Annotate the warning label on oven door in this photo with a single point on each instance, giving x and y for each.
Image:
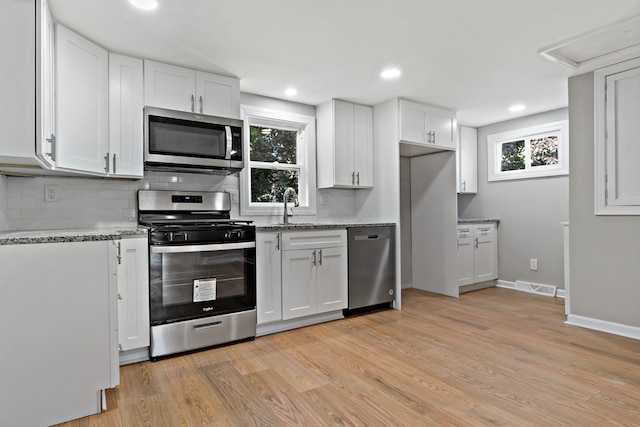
(204, 290)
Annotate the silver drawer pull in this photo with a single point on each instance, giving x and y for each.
(208, 325)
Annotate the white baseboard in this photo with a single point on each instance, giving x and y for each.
(604, 326)
(560, 293)
(134, 356)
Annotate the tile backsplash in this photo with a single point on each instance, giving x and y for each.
(88, 202)
(99, 203)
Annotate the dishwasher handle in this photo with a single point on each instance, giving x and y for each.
(369, 237)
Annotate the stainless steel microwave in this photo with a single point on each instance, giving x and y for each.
(190, 142)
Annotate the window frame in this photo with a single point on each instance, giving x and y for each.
(494, 152)
(305, 153)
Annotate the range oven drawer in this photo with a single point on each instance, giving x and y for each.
(204, 332)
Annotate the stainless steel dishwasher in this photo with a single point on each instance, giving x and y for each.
(372, 267)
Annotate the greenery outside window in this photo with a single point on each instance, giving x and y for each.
(280, 149)
(529, 153)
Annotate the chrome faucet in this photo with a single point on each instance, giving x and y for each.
(289, 191)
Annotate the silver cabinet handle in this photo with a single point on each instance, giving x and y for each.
(314, 258)
(120, 297)
(476, 244)
(201, 105)
(464, 185)
(193, 102)
(278, 241)
(320, 261)
(114, 163)
(353, 178)
(358, 178)
(433, 135)
(119, 253)
(106, 161)
(52, 141)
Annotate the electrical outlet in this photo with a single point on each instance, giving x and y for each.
(50, 193)
(533, 264)
(233, 195)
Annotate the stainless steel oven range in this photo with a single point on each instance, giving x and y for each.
(202, 271)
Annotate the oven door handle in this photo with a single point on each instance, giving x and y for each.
(202, 248)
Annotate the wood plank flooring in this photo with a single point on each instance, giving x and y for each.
(492, 357)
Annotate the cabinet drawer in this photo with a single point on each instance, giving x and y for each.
(488, 229)
(465, 231)
(292, 240)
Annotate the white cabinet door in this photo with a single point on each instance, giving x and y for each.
(81, 103)
(486, 253)
(344, 174)
(414, 122)
(444, 128)
(133, 293)
(184, 89)
(477, 253)
(436, 128)
(169, 86)
(332, 273)
(26, 88)
(467, 160)
(217, 95)
(56, 327)
(268, 277)
(298, 283)
(125, 116)
(45, 84)
(363, 145)
(345, 145)
(465, 255)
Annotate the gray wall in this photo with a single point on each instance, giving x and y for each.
(530, 211)
(605, 250)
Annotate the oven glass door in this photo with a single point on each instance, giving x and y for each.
(188, 282)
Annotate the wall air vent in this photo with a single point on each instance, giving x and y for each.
(599, 47)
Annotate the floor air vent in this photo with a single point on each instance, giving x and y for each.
(536, 288)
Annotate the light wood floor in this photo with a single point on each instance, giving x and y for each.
(492, 357)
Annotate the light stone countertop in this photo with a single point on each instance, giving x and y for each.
(317, 226)
(477, 220)
(21, 237)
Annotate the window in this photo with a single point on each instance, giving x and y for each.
(528, 153)
(281, 154)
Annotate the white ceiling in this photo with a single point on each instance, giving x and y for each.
(475, 56)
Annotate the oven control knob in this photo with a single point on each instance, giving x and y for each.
(241, 234)
(169, 236)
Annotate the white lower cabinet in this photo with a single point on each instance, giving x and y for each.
(268, 277)
(57, 331)
(133, 293)
(314, 272)
(477, 253)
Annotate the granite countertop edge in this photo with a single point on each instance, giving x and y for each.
(477, 220)
(22, 237)
(318, 226)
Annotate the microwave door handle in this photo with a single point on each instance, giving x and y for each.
(229, 141)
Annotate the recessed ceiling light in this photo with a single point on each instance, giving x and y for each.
(290, 92)
(390, 73)
(516, 108)
(144, 4)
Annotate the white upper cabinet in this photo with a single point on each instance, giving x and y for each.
(617, 151)
(184, 89)
(425, 129)
(26, 105)
(345, 145)
(126, 105)
(81, 103)
(467, 156)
